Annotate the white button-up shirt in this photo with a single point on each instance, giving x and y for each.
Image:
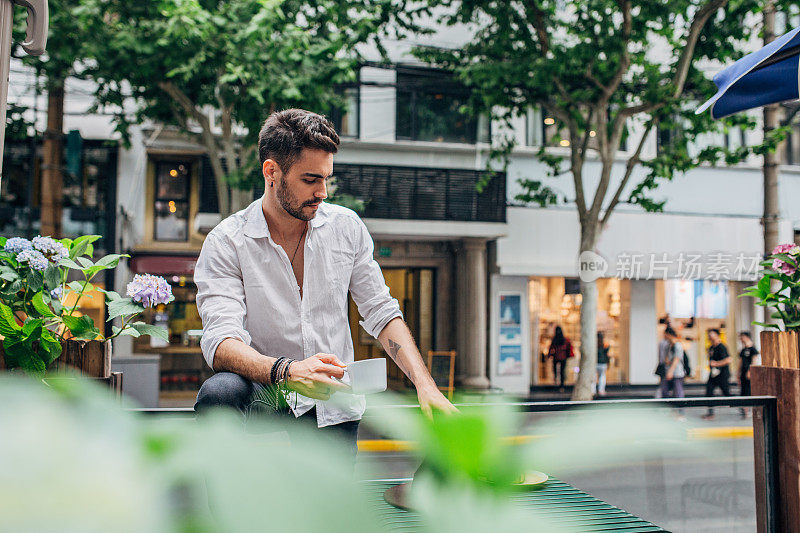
(246, 290)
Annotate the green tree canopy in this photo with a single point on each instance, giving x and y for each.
(184, 59)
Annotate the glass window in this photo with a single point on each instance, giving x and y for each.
(346, 120)
(171, 210)
(430, 108)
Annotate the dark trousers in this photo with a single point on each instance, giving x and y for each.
(560, 371)
(229, 390)
(722, 382)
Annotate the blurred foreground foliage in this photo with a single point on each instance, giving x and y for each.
(75, 461)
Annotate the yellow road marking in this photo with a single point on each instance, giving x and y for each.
(390, 445)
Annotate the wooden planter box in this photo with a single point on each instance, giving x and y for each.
(779, 376)
(90, 359)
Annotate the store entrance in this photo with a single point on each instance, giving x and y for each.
(414, 289)
(556, 301)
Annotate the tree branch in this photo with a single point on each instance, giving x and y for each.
(632, 162)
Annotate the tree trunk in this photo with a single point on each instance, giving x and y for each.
(771, 207)
(52, 185)
(588, 357)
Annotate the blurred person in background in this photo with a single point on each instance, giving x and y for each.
(719, 360)
(749, 356)
(663, 348)
(673, 366)
(560, 350)
(602, 363)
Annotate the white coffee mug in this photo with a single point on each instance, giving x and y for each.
(367, 376)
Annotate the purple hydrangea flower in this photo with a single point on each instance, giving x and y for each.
(34, 258)
(16, 245)
(779, 265)
(50, 248)
(149, 290)
(57, 292)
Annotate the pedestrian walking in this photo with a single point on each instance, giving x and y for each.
(674, 371)
(719, 360)
(602, 363)
(749, 356)
(560, 350)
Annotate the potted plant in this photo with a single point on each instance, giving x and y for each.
(38, 324)
(779, 289)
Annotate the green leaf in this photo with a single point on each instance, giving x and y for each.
(78, 286)
(66, 242)
(123, 306)
(30, 362)
(765, 325)
(7, 273)
(52, 277)
(13, 346)
(111, 260)
(81, 245)
(149, 329)
(8, 324)
(35, 281)
(110, 295)
(32, 328)
(85, 262)
(41, 307)
(69, 263)
(127, 331)
(82, 327)
(51, 346)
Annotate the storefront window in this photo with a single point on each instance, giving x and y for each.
(691, 308)
(556, 301)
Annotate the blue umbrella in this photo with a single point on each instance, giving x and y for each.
(767, 76)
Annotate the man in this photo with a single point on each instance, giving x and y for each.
(718, 360)
(272, 283)
(749, 356)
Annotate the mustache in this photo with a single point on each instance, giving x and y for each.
(312, 202)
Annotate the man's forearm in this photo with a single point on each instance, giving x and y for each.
(233, 355)
(399, 344)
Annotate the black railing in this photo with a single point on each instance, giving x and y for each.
(419, 193)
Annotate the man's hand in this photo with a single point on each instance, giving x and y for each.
(670, 374)
(313, 377)
(430, 398)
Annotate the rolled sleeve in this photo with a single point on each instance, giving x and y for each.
(220, 296)
(368, 288)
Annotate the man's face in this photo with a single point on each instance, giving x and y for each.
(304, 187)
(713, 337)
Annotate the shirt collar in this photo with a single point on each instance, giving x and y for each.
(255, 225)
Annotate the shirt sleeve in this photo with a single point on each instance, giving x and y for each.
(220, 296)
(368, 288)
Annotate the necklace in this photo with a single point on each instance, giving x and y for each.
(298, 245)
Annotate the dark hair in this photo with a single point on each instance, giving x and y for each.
(746, 334)
(600, 338)
(558, 336)
(670, 332)
(286, 133)
(715, 330)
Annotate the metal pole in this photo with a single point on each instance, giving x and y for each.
(6, 19)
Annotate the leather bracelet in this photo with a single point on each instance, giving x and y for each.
(273, 373)
(286, 370)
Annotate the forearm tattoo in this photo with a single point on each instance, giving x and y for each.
(394, 349)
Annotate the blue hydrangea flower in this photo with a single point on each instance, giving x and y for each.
(57, 292)
(50, 248)
(149, 290)
(34, 258)
(16, 245)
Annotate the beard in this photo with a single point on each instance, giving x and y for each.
(291, 204)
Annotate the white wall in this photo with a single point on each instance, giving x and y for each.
(643, 332)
